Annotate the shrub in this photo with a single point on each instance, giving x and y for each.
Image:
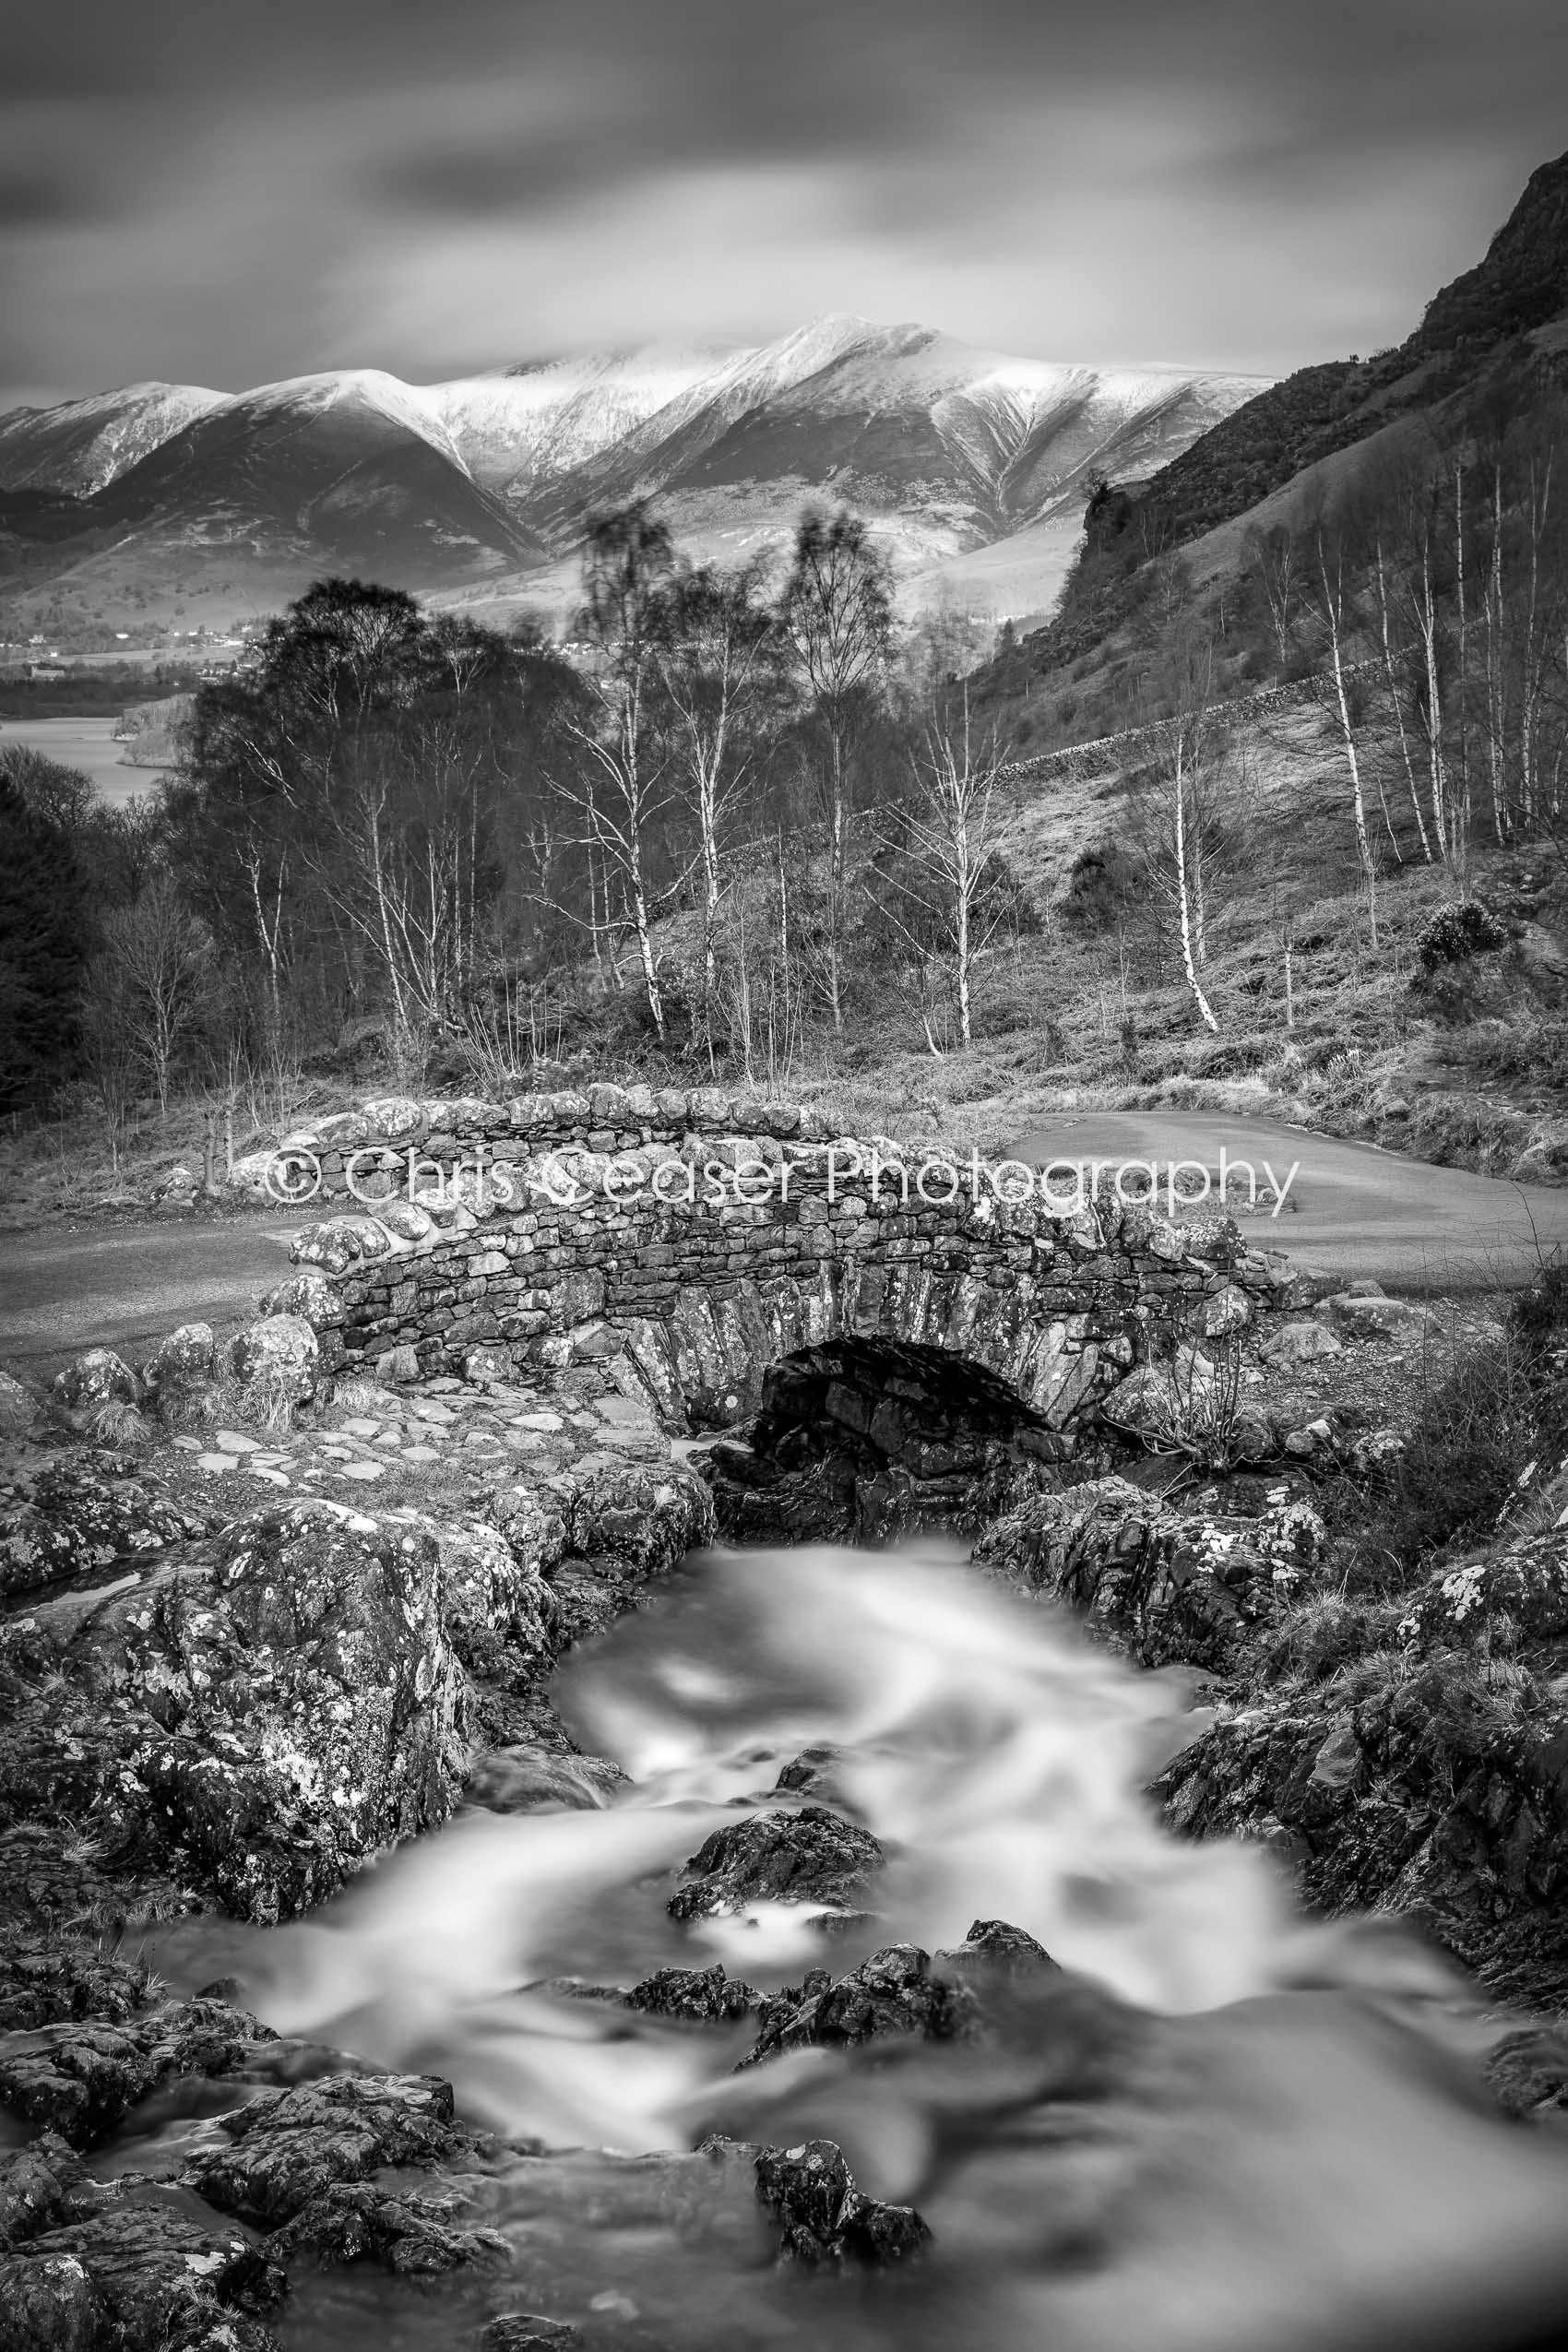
(1104, 884)
(1458, 929)
(1477, 1433)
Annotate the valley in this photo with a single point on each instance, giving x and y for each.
(622, 1724)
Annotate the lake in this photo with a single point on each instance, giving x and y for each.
(86, 744)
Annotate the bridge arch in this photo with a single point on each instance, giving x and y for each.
(688, 1242)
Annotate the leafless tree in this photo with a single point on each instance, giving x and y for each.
(1189, 819)
(155, 966)
(950, 832)
(716, 647)
(838, 617)
(621, 785)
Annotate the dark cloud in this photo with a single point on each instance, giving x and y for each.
(226, 193)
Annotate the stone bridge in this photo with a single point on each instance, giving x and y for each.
(688, 1241)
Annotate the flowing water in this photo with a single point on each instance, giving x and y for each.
(1278, 2143)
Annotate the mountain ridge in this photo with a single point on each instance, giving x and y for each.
(947, 449)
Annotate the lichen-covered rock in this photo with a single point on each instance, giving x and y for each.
(1525, 1583)
(182, 1390)
(45, 1981)
(138, 2272)
(1397, 1321)
(415, 2237)
(1165, 1588)
(1290, 1345)
(288, 2149)
(273, 1365)
(494, 1601)
(308, 1294)
(19, 1409)
(825, 2220)
(812, 1856)
(99, 1377)
(258, 1176)
(894, 1992)
(86, 1509)
(40, 2187)
(306, 1698)
(648, 1517)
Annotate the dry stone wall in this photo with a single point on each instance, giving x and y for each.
(688, 1241)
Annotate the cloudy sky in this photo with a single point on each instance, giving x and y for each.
(226, 195)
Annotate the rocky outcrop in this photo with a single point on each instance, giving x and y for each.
(1163, 1586)
(81, 1511)
(826, 2222)
(895, 1993)
(1428, 1775)
(812, 1856)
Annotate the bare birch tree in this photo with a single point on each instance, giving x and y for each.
(715, 644)
(620, 787)
(950, 831)
(838, 617)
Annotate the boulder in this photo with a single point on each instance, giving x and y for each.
(289, 2149)
(87, 1510)
(812, 1856)
(994, 1948)
(1526, 1584)
(177, 1189)
(647, 1517)
(273, 1365)
(19, 1407)
(308, 1294)
(308, 1702)
(79, 2080)
(99, 1377)
(1356, 1317)
(182, 1390)
(1290, 1345)
(262, 1176)
(894, 1992)
(698, 1996)
(825, 2220)
(413, 2236)
(136, 2270)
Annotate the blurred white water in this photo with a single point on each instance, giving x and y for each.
(1285, 2154)
(1000, 1760)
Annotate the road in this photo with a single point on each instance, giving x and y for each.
(1348, 1207)
(125, 1287)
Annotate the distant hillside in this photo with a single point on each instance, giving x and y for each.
(1496, 329)
(484, 485)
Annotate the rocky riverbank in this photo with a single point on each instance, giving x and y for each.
(259, 1627)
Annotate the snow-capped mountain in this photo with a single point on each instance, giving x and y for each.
(82, 446)
(485, 482)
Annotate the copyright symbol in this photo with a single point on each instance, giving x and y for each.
(292, 1177)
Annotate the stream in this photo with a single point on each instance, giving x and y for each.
(1214, 2124)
